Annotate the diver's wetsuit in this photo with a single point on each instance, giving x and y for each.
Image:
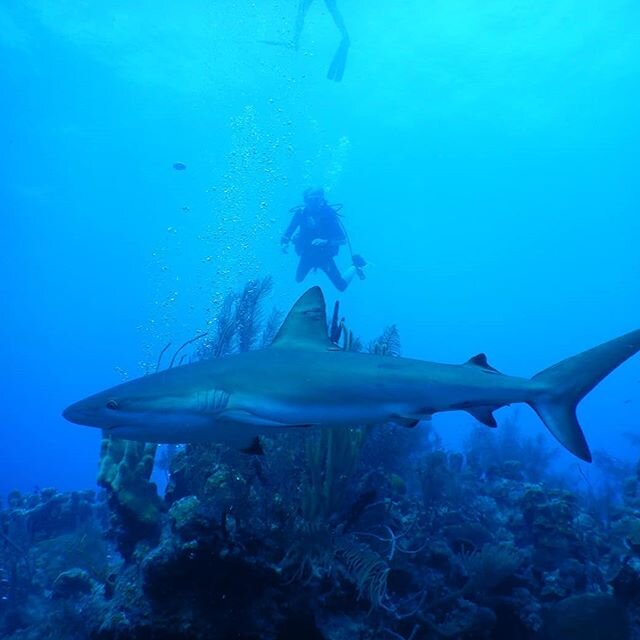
(317, 222)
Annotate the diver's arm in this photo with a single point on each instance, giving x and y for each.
(293, 225)
(335, 242)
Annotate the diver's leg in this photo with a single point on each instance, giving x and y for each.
(337, 17)
(339, 62)
(333, 273)
(303, 7)
(304, 266)
(341, 281)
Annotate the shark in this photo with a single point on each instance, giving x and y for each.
(304, 380)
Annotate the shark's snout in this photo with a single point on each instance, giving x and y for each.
(71, 414)
(77, 414)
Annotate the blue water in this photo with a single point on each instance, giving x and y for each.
(486, 156)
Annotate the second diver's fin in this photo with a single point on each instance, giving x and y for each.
(339, 62)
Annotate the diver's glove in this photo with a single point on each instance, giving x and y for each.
(359, 263)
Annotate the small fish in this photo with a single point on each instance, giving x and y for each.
(179, 166)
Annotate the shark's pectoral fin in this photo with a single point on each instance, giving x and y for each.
(246, 418)
(254, 448)
(409, 421)
(481, 361)
(484, 415)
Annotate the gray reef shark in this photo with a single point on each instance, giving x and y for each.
(305, 380)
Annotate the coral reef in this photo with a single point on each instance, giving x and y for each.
(332, 534)
(125, 472)
(313, 541)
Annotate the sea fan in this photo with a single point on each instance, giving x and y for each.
(388, 344)
(490, 566)
(366, 568)
(249, 311)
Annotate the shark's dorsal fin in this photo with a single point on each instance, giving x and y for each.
(481, 361)
(305, 326)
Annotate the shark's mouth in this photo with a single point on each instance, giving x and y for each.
(114, 429)
(125, 432)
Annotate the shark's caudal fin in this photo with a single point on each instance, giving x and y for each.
(305, 326)
(562, 386)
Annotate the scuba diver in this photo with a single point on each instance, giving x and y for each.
(339, 61)
(319, 236)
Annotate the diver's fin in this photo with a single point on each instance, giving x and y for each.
(559, 389)
(484, 415)
(305, 326)
(339, 62)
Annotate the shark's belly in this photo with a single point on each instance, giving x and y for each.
(296, 412)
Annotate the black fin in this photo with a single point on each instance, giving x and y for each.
(404, 421)
(481, 361)
(484, 415)
(255, 448)
(339, 62)
(336, 326)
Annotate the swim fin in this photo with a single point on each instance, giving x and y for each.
(339, 62)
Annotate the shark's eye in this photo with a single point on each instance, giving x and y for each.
(112, 404)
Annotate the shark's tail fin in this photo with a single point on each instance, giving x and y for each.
(562, 386)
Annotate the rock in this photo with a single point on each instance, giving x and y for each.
(467, 536)
(48, 492)
(72, 583)
(626, 583)
(592, 616)
(15, 500)
(468, 620)
(553, 587)
(183, 512)
(512, 470)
